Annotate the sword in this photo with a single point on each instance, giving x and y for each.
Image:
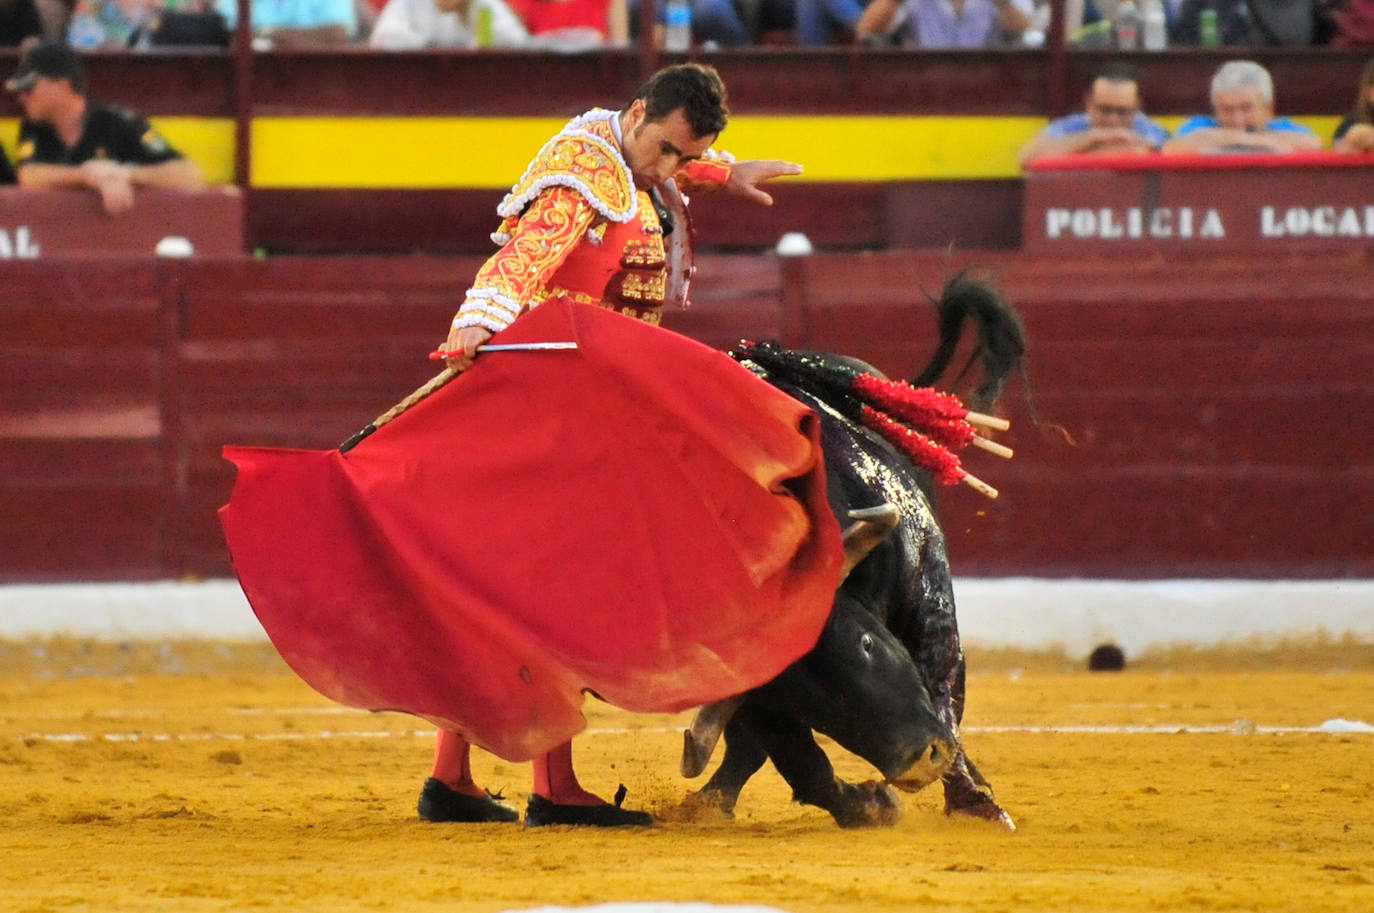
(508, 347)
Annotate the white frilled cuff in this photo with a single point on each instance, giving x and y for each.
(486, 308)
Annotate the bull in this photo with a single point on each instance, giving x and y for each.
(886, 678)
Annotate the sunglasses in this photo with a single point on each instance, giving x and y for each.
(1114, 111)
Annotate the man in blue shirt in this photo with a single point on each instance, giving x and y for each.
(293, 24)
(1110, 124)
(1243, 117)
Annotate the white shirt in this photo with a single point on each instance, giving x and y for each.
(407, 25)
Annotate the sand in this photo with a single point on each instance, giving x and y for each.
(206, 777)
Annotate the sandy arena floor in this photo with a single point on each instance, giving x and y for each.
(206, 777)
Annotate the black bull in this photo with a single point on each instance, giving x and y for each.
(886, 678)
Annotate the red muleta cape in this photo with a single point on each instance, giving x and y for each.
(641, 518)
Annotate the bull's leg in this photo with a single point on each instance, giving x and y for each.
(968, 793)
(807, 769)
(743, 758)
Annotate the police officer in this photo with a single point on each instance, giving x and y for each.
(67, 140)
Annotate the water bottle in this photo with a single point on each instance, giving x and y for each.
(483, 31)
(1208, 29)
(1127, 25)
(1154, 33)
(677, 27)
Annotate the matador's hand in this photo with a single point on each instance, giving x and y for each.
(466, 341)
(746, 176)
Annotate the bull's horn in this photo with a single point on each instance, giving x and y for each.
(871, 526)
(699, 742)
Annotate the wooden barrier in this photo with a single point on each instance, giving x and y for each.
(46, 223)
(83, 449)
(1204, 418)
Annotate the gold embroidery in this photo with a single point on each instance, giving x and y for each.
(643, 254)
(703, 175)
(579, 297)
(589, 162)
(636, 287)
(651, 317)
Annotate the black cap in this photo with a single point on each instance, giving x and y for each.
(53, 60)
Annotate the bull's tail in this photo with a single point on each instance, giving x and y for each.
(1001, 348)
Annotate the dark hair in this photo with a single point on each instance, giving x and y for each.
(53, 60)
(1364, 108)
(1117, 71)
(693, 87)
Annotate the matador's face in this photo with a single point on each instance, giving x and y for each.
(655, 150)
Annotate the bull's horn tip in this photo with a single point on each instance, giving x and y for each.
(887, 511)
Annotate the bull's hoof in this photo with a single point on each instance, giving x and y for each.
(439, 803)
(870, 804)
(986, 810)
(695, 808)
(541, 812)
(716, 802)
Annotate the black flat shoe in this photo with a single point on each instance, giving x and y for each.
(439, 803)
(541, 811)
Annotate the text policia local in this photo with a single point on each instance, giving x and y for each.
(1187, 222)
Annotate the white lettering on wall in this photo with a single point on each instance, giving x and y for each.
(1317, 222)
(1133, 222)
(17, 245)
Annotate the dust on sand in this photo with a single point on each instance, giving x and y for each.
(206, 777)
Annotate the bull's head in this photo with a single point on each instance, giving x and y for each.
(858, 685)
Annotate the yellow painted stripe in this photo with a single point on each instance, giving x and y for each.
(491, 152)
(207, 141)
(424, 152)
(411, 152)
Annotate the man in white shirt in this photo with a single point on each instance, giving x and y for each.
(408, 25)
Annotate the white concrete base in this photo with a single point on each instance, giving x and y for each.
(1020, 612)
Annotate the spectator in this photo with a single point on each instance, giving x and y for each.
(715, 23)
(1111, 123)
(7, 176)
(55, 15)
(945, 23)
(1281, 22)
(1243, 119)
(1355, 133)
(1233, 22)
(120, 23)
(572, 25)
(66, 140)
(1353, 22)
(19, 20)
(366, 14)
(407, 25)
(818, 20)
(769, 21)
(293, 24)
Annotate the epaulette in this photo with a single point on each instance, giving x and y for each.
(585, 157)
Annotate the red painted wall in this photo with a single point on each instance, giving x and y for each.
(1185, 417)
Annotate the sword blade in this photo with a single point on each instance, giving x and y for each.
(510, 347)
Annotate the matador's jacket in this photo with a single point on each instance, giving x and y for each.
(575, 226)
